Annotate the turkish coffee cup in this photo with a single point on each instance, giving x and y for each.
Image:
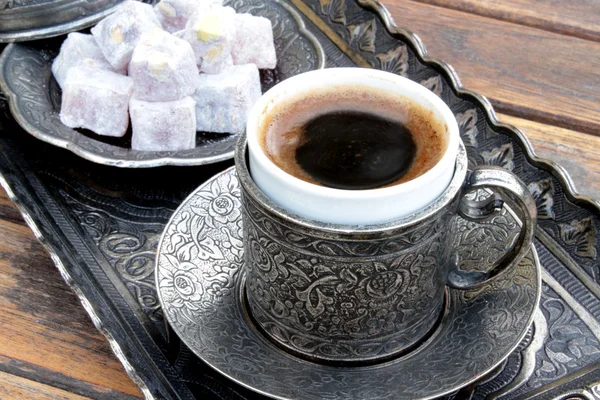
(344, 263)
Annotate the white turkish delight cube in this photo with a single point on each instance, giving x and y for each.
(78, 48)
(163, 126)
(210, 32)
(118, 34)
(96, 99)
(253, 42)
(163, 68)
(223, 101)
(174, 14)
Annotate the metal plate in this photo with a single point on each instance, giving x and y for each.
(102, 229)
(23, 20)
(35, 97)
(200, 281)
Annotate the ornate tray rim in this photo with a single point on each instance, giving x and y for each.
(383, 14)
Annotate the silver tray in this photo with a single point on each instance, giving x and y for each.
(35, 97)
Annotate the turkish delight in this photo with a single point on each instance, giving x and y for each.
(210, 32)
(77, 48)
(253, 42)
(224, 100)
(163, 68)
(163, 126)
(174, 14)
(118, 34)
(96, 99)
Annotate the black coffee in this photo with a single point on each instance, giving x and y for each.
(355, 150)
(352, 137)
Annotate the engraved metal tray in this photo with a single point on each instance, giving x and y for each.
(102, 227)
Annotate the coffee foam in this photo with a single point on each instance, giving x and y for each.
(280, 129)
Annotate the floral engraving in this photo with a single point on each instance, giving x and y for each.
(181, 285)
(395, 61)
(568, 348)
(216, 205)
(341, 248)
(482, 244)
(208, 232)
(582, 235)
(435, 84)
(335, 10)
(467, 125)
(501, 156)
(363, 35)
(128, 250)
(336, 304)
(543, 193)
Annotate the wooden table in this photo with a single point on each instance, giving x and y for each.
(538, 62)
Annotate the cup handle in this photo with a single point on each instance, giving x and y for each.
(507, 189)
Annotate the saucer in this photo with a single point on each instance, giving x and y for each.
(200, 282)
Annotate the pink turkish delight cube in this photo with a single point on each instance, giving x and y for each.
(174, 14)
(78, 48)
(210, 32)
(163, 126)
(118, 34)
(223, 101)
(163, 68)
(96, 99)
(253, 42)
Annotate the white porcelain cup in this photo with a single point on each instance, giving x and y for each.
(351, 207)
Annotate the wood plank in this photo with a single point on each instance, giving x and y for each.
(8, 211)
(579, 18)
(578, 153)
(14, 387)
(55, 379)
(525, 72)
(46, 332)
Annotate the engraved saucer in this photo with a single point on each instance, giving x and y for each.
(200, 281)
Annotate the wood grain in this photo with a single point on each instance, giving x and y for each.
(46, 334)
(579, 18)
(525, 72)
(14, 387)
(578, 153)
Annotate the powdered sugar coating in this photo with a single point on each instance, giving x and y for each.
(78, 48)
(163, 126)
(174, 14)
(163, 68)
(118, 34)
(210, 32)
(223, 101)
(253, 42)
(96, 99)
